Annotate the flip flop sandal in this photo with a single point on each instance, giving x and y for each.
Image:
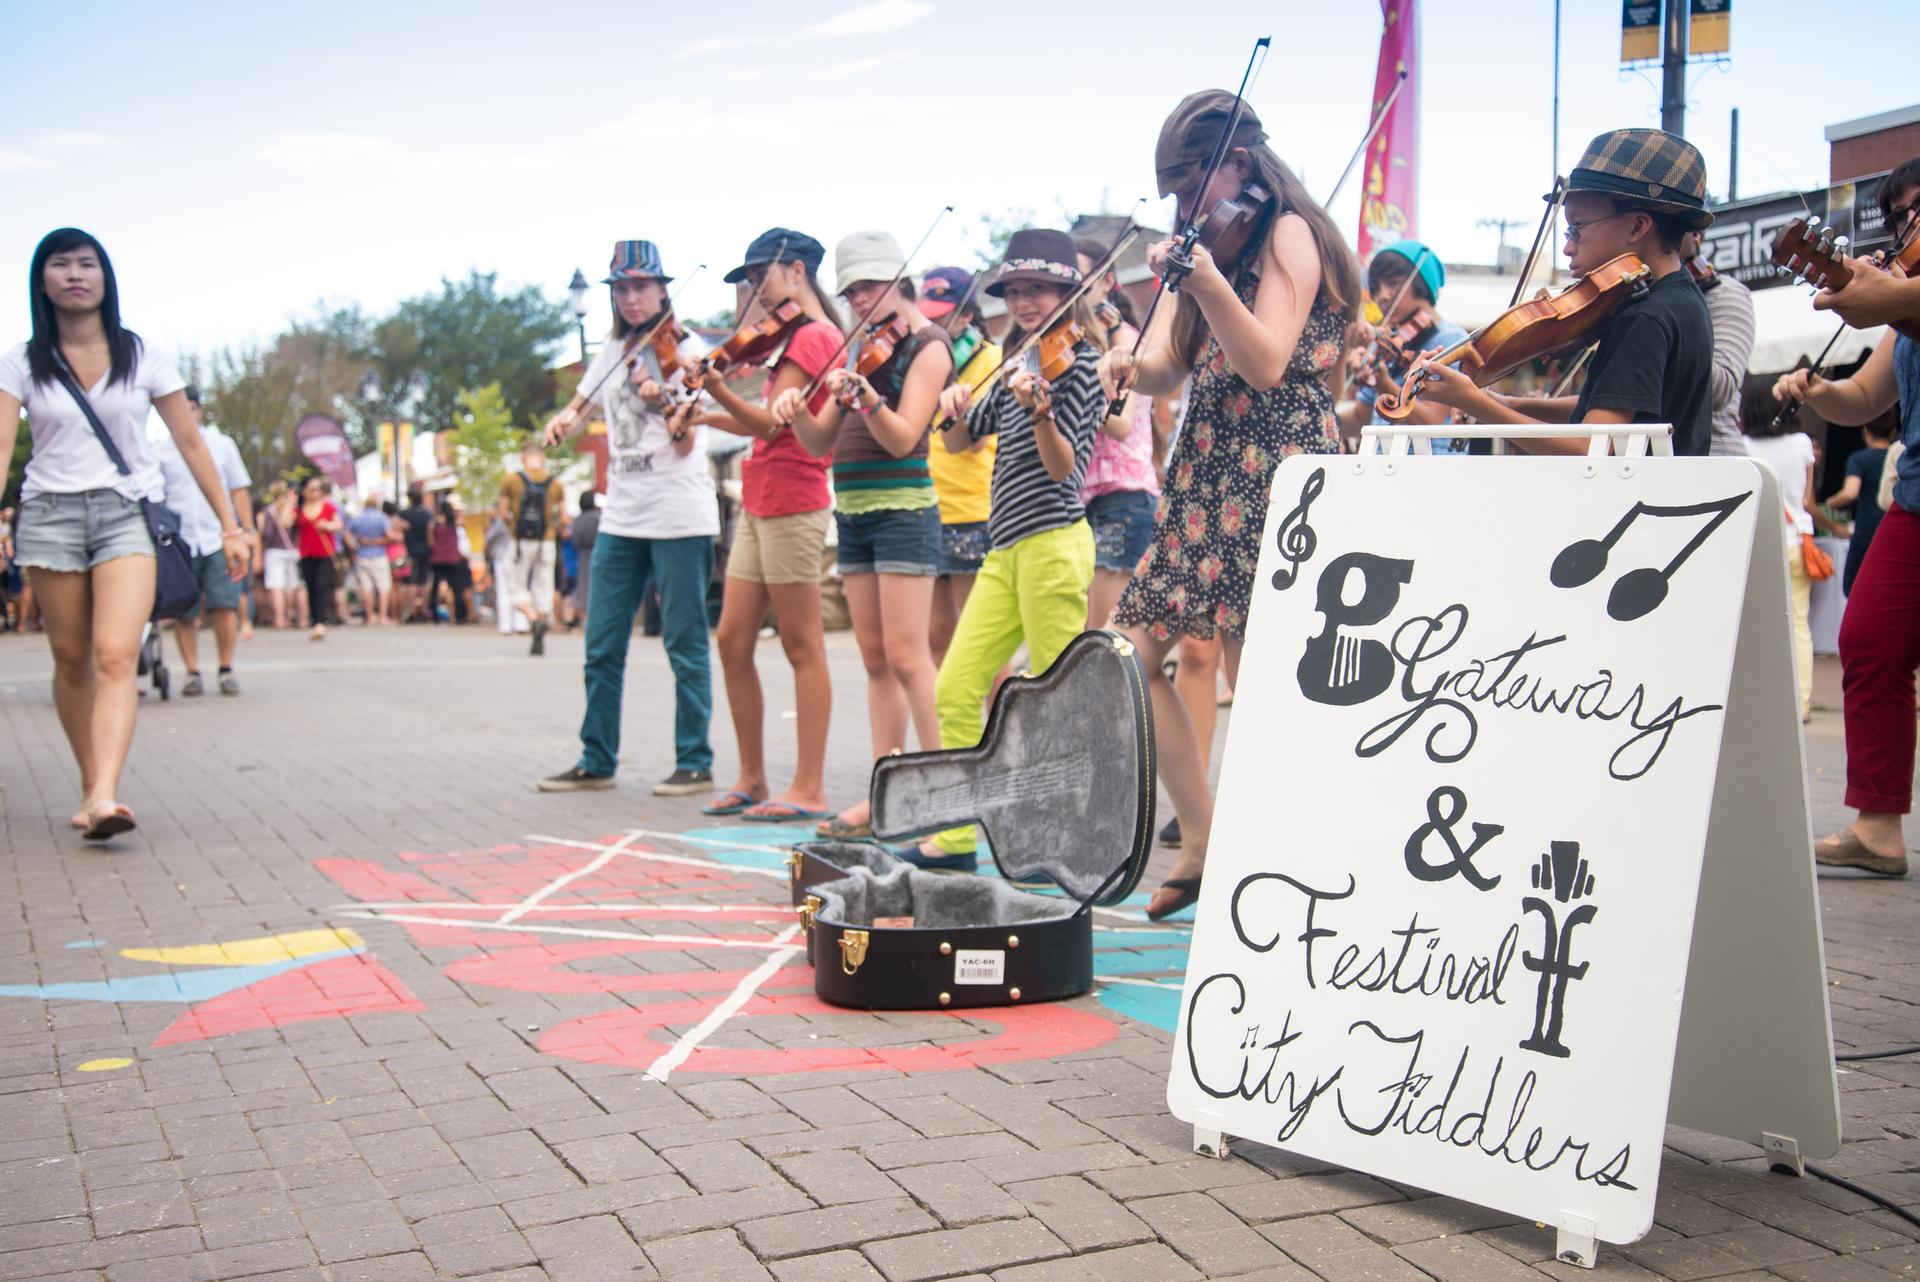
(110, 823)
(790, 813)
(837, 829)
(732, 804)
(1188, 890)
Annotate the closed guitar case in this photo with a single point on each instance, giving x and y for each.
(1062, 782)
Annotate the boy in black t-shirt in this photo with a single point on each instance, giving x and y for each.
(1635, 191)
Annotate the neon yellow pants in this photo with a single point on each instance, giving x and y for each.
(1034, 591)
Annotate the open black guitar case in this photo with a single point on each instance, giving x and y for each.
(1063, 784)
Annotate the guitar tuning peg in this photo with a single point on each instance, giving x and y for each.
(1840, 243)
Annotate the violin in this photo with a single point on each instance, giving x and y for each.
(1053, 355)
(1400, 343)
(751, 344)
(1108, 315)
(1535, 328)
(878, 344)
(1226, 231)
(1701, 270)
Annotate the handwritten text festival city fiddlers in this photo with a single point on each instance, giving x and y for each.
(1474, 1110)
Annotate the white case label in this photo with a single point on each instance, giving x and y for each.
(980, 966)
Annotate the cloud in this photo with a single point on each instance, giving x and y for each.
(871, 19)
(742, 74)
(14, 162)
(71, 140)
(303, 148)
(858, 66)
(706, 45)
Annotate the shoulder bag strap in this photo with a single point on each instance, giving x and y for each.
(72, 385)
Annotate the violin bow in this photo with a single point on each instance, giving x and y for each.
(1074, 295)
(631, 347)
(1179, 259)
(1379, 119)
(846, 340)
(1555, 199)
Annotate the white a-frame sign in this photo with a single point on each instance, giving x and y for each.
(1511, 862)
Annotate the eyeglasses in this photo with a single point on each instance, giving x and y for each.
(1574, 230)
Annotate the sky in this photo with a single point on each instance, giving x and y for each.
(244, 163)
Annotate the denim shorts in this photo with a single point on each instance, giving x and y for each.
(217, 589)
(963, 546)
(1122, 522)
(891, 541)
(72, 533)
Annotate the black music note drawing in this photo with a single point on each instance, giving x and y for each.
(1297, 539)
(1637, 593)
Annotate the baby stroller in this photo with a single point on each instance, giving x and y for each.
(153, 659)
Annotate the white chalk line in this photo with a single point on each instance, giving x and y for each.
(743, 992)
(579, 932)
(594, 865)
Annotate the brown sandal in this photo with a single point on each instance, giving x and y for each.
(107, 821)
(1844, 849)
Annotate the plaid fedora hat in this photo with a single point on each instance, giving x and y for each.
(635, 260)
(1646, 169)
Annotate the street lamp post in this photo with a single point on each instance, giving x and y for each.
(577, 291)
(412, 393)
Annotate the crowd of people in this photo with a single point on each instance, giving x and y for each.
(982, 496)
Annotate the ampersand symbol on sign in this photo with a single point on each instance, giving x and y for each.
(1445, 806)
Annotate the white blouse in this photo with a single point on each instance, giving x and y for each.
(67, 457)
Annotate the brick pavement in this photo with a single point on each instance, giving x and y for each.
(442, 1053)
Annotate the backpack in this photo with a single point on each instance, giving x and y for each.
(531, 521)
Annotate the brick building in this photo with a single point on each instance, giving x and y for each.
(1872, 144)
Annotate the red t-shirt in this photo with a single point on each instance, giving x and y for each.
(315, 541)
(780, 478)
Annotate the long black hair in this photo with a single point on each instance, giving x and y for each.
(122, 343)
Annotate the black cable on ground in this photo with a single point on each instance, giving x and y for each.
(1904, 1050)
(1869, 1194)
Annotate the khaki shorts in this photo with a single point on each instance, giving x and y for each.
(373, 574)
(779, 549)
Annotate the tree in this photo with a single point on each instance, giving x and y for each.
(484, 440)
(470, 335)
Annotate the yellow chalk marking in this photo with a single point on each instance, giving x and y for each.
(252, 952)
(102, 1065)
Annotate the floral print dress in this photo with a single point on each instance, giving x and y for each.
(1197, 576)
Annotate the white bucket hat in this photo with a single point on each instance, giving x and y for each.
(866, 255)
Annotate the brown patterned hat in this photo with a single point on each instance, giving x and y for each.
(1646, 169)
(1189, 134)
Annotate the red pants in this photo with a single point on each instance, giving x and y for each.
(1879, 650)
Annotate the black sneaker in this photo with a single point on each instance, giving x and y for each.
(539, 637)
(684, 783)
(193, 689)
(1170, 835)
(574, 780)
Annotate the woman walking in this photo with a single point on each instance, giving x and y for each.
(280, 559)
(83, 535)
(315, 522)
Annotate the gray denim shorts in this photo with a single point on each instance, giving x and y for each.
(72, 533)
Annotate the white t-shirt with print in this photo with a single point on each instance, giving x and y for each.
(67, 457)
(653, 492)
(198, 524)
(1790, 455)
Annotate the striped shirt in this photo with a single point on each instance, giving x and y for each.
(1026, 500)
(1730, 309)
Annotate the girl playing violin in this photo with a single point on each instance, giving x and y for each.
(875, 424)
(658, 525)
(1260, 330)
(1032, 586)
(1654, 363)
(786, 508)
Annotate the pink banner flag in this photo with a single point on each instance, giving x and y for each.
(1389, 195)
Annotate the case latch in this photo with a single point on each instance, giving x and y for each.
(807, 911)
(794, 860)
(853, 950)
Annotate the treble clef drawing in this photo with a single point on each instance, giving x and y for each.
(1297, 539)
